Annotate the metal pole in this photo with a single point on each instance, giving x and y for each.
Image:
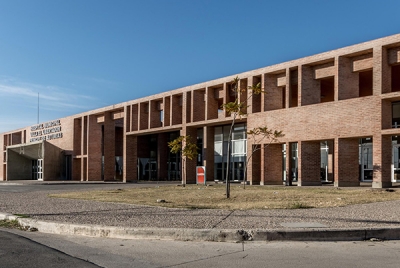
(38, 108)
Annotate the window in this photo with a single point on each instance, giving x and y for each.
(395, 114)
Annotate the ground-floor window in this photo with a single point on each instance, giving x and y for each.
(395, 158)
(365, 159)
(325, 161)
(237, 155)
(174, 167)
(292, 153)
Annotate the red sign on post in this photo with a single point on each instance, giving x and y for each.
(201, 175)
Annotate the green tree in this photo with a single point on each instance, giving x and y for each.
(187, 148)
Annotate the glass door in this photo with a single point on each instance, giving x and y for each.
(237, 156)
(40, 170)
(366, 165)
(37, 169)
(294, 156)
(395, 163)
(324, 161)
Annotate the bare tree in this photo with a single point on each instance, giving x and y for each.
(238, 109)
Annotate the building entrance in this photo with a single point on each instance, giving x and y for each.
(324, 161)
(147, 169)
(366, 165)
(237, 156)
(37, 169)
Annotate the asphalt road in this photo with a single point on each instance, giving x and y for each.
(121, 253)
(18, 251)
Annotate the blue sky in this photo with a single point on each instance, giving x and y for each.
(80, 55)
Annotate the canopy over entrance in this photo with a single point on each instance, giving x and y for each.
(39, 160)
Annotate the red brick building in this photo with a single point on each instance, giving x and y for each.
(339, 111)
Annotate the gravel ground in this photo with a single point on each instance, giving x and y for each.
(39, 206)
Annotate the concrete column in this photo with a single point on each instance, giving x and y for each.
(309, 161)
(273, 164)
(382, 159)
(208, 144)
(94, 150)
(347, 162)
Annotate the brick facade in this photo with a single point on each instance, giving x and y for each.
(337, 98)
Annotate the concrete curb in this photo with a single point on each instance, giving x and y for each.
(216, 235)
(6, 216)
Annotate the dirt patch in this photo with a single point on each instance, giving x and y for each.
(252, 197)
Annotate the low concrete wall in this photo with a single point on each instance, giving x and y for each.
(52, 162)
(19, 167)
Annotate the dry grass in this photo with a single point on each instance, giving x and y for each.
(12, 224)
(253, 197)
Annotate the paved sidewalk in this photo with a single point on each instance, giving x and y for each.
(356, 222)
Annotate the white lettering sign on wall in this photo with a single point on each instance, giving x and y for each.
(46, 131)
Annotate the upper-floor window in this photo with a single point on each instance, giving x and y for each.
(395, 114)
